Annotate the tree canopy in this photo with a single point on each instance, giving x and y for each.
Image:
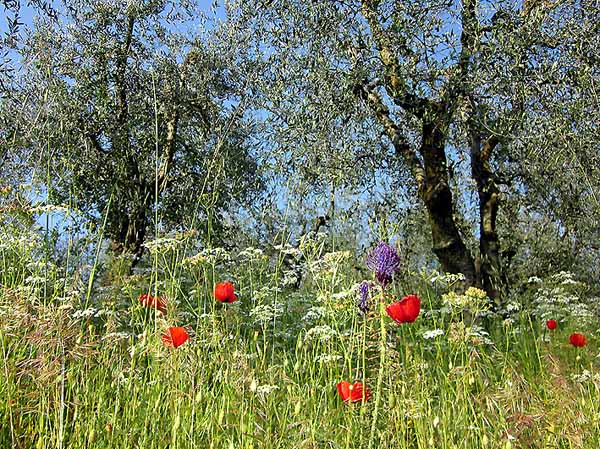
(465, 127)
(128, 115)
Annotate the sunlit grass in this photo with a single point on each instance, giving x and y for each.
(262, 372)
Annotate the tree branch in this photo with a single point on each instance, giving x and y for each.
(96, 143)
(400, 143)
(172, 125)
(120, 74)
(469, 40)
(394, 84)
(169, 151)
(488, 148)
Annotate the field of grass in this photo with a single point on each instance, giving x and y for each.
(84, 365)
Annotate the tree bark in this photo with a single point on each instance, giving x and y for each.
(491, 271)
(448, 245)
(431, 177)
(130, 232)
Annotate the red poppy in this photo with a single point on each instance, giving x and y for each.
(175, 337)
(578, 340)
(405, 311)
(154, 302)
(551, 324)
(224, 292)
(353, 392)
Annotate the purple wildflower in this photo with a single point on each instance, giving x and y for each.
(363, 291)
(384, 262)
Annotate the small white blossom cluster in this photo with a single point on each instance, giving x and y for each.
(564, 278)
(34, 280)
(266, 293)
(266, 313)
(513, 307)
(585, 376)
(431, 334)
(87, 313)
(24, 242)
(263, 390)
(162, 244)
(446, 279)
(480, 336)
(290, 278)
(91, 312)
(327, 359)
(169, 243)
(116, 336)
(251, 254)
(344, 294)
(561, 296)
(288, 249)
(208, 256)
(321, 333)
(315, 313)
(38, 266)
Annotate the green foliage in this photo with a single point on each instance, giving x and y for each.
(131, 117)
(83, 370)
(212, 145)
(521, 75)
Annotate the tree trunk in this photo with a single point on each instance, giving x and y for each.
(491, 270)
(448, 244)
(131, 217)
(130, 236)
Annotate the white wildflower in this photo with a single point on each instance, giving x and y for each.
(251, 254)
(116, 336)
(266, 313)
(513, 307)
(321, 333)
(315, 313)
(328, 358)
(431, 334)
(87, 313)
(264, 390)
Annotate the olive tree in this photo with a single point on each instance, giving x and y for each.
(445, 95)
(133, 112)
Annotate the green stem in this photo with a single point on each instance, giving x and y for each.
(381, 370)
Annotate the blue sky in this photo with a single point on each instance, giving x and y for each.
(27, 13)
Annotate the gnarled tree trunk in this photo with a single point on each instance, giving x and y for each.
(491, 271)
(448, 245)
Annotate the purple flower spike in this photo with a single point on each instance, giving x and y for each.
(363, 291)
(384, 262)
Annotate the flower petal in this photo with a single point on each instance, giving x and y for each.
(405, 311)
(175, 337)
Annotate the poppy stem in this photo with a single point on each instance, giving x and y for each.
(381, 371)
(544, 336)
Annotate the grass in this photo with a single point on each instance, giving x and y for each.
(262, 372)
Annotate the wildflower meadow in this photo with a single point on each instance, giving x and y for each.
(287, 224)
(213, 350)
